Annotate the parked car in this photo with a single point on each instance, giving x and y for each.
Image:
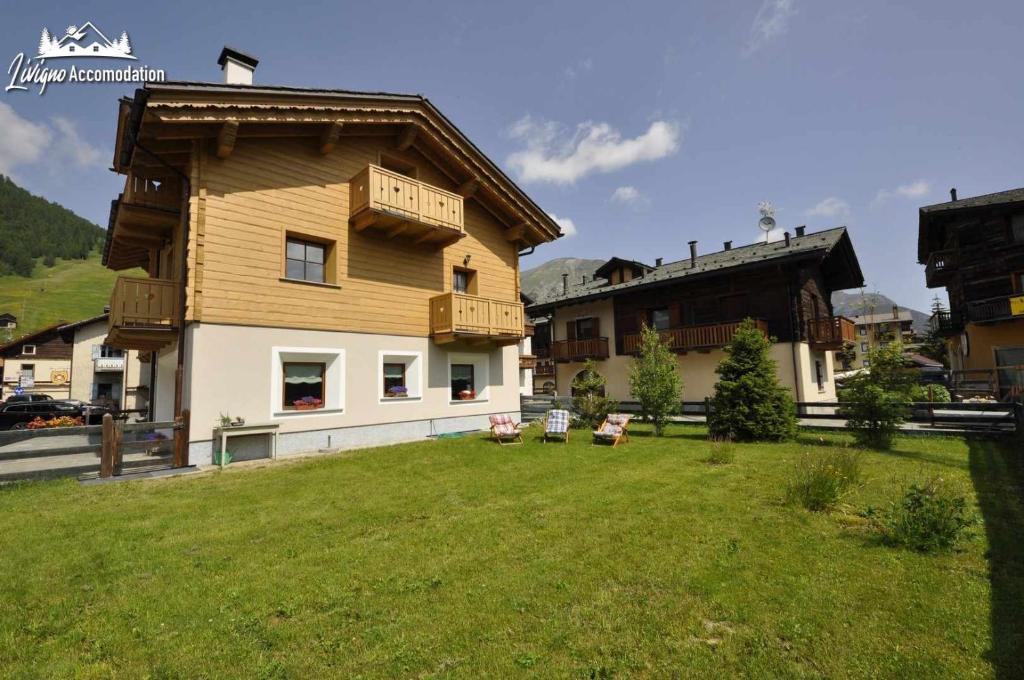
(21, 398)
(17, 416)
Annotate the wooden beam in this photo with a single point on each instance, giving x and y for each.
(426, 237)
(468, 188)
(364, 220)
(396, 230)
(226, 138)
(406, 139)
(329, 137)
(515, 233)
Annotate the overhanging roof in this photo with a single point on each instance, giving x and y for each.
(930, 215)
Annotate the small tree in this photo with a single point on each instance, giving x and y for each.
(933, 345)
(653, 380)
(749, 403)
(589, 402)
(874, 403)
(847, 355)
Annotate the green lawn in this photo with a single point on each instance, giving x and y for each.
(460, 558)
(68, 291)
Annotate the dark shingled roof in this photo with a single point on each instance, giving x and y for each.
(1009, 196)
(822, 241)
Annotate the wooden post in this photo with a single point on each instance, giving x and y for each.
(107, 450)
(707, 409)
(181, 439)
(118, 453)
(1018, 407)
(931, 409)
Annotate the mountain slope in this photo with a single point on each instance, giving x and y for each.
(546, 279)
(32, 227)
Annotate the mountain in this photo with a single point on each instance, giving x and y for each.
(32, 227)
(546, 279)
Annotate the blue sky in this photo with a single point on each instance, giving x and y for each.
(645, 125)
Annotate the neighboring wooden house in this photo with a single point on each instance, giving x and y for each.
(38, 363)
(697, 303)
(8, 320)
(974, 247)
(312, 256)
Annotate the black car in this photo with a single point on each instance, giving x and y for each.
(22, 398)
(17, 416)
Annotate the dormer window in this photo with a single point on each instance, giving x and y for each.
(28, 350)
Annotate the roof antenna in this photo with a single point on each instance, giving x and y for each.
(767, 221)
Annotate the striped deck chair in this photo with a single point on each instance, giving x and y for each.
(614, 429)
(505, 430)
(556, 425)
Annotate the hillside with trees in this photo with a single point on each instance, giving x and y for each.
(32, 228)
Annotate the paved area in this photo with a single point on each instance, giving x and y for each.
(37, 465)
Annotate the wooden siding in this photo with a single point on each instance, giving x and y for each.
(50, 345)
(243, 206)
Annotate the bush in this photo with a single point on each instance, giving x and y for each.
(722, 453)
(590, 406)
(930, 518)
(820, 480)
(874, 403)
(749, 403)
(653, 380)
(939, 394)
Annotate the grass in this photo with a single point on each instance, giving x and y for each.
(68, 291)
(460, 558)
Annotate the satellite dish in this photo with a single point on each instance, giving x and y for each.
(767, 221)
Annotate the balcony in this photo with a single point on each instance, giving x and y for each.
(685, 338)
(527, 362)
(940, 267)
(399, 207)
(579, 350)
(108, 365)
(455, 316)
(998, 308)
(830, 332)
(142, 219)
(947, 323)
(544, 369)
(143, 313)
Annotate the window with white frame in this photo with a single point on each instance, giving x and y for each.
(28, 350)
(306, 381)
(400, 375)
(468, 377)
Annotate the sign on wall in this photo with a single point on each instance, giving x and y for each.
(1017, 305)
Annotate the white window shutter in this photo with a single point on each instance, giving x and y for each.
(96, 351)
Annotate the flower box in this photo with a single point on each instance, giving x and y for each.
(307, 404)
(467, 395)
(307, 407)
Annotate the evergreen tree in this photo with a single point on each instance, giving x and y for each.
(589, 402)
(749, 403)
(653, 380)
(874, 403)
(847, 355)
(933, 345)
(44, 41)
(123, 43)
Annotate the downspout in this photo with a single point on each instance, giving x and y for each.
(186, 194)
(794, 319)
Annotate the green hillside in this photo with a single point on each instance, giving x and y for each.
(68, 291)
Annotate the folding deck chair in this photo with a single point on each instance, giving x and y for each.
(505, 430)
(613, 429)
(556, 425)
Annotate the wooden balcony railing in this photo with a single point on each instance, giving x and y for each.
(685, 338)
(947, 322)
(399, 206)
(457, 314)
(940, 267)
(830, 332)
(527, 361)
(579, 350)
(542, 352)
(544, 369)
(992, 309)
(164, 195)
(143, 303)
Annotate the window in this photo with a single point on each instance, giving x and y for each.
(303, 385)
(463, 381)
(28, 350)
(1017, 227)
(95, 48)
(586, 329)
(304, 261)
(106, 352)
(819, 375)
(660, 319)
(866, 363)
(394, 377)
(28, 371)
(1018, 283)
(464, 280)
(1010, 370)
(71, 48)
(862, 330)
(864, 347)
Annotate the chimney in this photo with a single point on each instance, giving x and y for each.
(657, 262)
(800, 229)
(237, 66)
(952, 194)
(584, 280)
(728, 245)
(565, 284)
(785, 235)
(693, 254)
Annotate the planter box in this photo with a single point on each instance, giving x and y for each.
(308, 407)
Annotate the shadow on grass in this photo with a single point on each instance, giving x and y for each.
(997, 470)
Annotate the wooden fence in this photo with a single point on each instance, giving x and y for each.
(107, 441)
(998, 417)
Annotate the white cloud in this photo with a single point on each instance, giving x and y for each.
(830, 207)
(771, 22)
(914, 190)
(567, 225)
(628, 195)
(22, 141)
(58, 146)
(581, 66)
(594, 147)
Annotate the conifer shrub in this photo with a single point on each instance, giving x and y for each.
(589, 404)
(749, 404)
(654, 382)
